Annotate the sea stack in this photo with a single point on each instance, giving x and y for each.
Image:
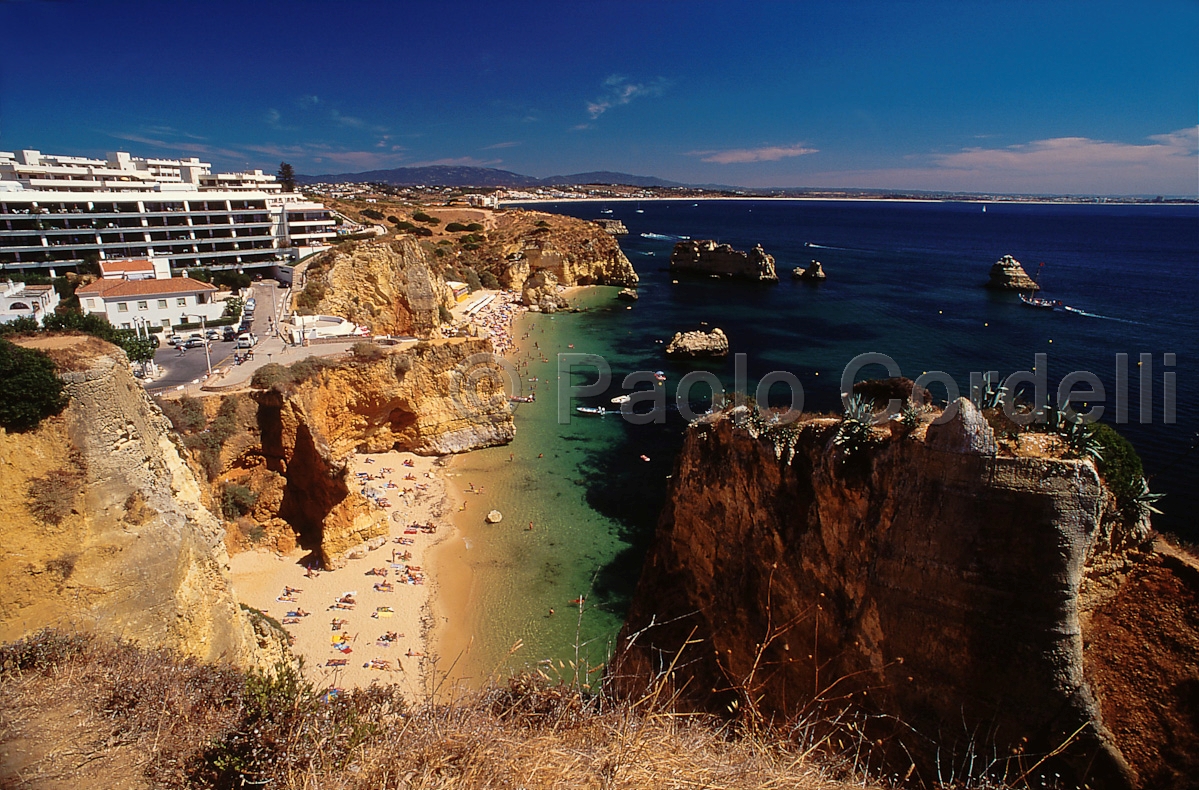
(698, 344)
(813, 274)
(721, 260)
(1008, 275)
(627, 295)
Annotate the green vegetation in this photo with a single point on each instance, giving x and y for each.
(274, 376)
(456, 227)
(474, 226)
(236, 500)
(25, 325)
(370, 213)
(286, 177)
(855, 434)
(204, 439)
(231, 279)
(309, 299)
(489, 280)
(233, 307)
(445, 315)
(428, 219)
(366, 351)
(30, 390)
(138, 349)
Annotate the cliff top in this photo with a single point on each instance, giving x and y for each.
(71, 352)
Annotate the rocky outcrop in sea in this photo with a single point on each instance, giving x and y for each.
(698, 344)
(1008, 275)
(721, 260)
(541, 292)
(814, 273)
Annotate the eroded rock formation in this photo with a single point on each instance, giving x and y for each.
(541, 292)
(1008, 275)
(438, 397)
(104, 527)
(388, 286)
(708, 257)
(698, 344)
(814, 273)
(929, 578)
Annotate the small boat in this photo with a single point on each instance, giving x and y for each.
(593, 411)
(522, 399)
(578, 601)
(622, 399)
(659, 375)
(606, 211)
(644, 457)
(1044, 304)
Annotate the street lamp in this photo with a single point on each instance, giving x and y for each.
(204, 337)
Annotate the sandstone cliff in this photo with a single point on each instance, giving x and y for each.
(437, 397)
(930, 583)
(520, 243)
(708, 257)
(1008, 275)
(103, 524)
(388, 286)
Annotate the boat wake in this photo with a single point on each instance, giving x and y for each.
(665, 237)
(1076, 311)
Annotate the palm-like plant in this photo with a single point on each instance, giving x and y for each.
(853, 434)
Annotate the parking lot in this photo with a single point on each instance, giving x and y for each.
(179, 369)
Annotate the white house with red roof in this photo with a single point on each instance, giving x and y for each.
(18, 300)
(132, 299)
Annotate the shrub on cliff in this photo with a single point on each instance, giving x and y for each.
(456, 227)
(30, 390)
(421, 216)
(365, 351)
(25, 325)
(236, 500)
(1119, 464)
(270, 376)
(370, 213)
(489, 281)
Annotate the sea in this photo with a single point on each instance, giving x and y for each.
(905, 280)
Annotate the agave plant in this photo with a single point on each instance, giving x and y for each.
(853, 434)
(1143, 501)
(988, 396)
(909, 418)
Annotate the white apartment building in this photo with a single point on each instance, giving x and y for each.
(63, 210)
(18, 300)
(132, 300)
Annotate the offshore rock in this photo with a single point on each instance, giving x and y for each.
(613, 227)
(627, 295)
(103, 524)
(1008, 275)
(708, 257)
(698, 344)
(814, 273)
(931, 581)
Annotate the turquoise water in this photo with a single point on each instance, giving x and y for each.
(520, 575)
(904, 280)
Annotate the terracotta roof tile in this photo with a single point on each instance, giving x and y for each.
(125, 289)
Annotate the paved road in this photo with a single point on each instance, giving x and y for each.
(188, 368)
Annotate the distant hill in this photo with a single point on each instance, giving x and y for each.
(608, 177)
(433, 175)
(449, 176)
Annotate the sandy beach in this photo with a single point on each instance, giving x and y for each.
(368, 621)
(396, 613)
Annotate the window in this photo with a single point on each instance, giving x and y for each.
(181, 301)
(91, 303)
(166, 323)
(143, 306)
(122, 307)
(162, 304)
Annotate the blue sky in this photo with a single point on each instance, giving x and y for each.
(1075, 97)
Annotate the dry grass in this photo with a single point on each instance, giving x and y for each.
(76, 710)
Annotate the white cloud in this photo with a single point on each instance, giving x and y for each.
(497, 146)
(619, 91)
(769, 153)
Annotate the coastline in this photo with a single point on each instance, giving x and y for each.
(997, 201)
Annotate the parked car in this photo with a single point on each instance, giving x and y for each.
(213, 334)
(246, 340)
(229, 334)
(174, 340)
(195, 340)
(249, 306)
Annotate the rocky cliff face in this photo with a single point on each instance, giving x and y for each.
(103, 524)
(520, 243)
(1008, 275)
(388, 286)
(708, 257)
(927, 581)
(442, 396)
